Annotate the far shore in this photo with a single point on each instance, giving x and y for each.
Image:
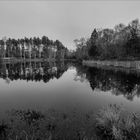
(117, 65)
(15, 60)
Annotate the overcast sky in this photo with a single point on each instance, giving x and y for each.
(63, 20)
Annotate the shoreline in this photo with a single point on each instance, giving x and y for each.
(16, 60)
(114, 65)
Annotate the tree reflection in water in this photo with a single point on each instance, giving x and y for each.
(118, 82)
(32, 71)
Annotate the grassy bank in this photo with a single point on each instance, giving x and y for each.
(8, 60)
(133, 65)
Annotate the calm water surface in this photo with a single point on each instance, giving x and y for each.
(66, 86)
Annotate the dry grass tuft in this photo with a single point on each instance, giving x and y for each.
(112, 125)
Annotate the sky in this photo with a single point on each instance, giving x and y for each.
(63, 20)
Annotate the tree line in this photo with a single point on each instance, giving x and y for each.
(32, 48)
(120, 43)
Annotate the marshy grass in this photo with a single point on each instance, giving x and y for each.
(113, 124)
(110, 123)
(50, 125)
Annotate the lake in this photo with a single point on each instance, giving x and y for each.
(66, 87)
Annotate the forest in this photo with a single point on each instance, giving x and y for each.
(32, 48)
(120, 43)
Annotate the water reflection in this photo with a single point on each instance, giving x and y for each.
(118, 82)
(73, 107)
(32, 71)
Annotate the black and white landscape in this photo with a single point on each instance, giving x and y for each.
(69, 70)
